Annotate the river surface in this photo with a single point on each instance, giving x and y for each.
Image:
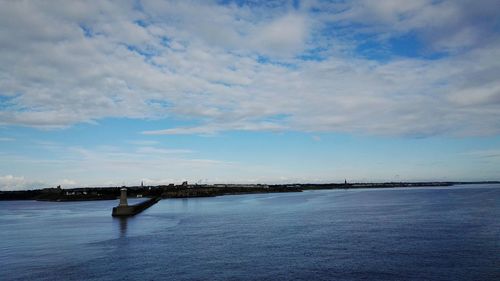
(447, 233)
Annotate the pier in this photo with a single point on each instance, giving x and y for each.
(125, 210)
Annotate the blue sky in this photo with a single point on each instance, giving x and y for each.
(118, 92)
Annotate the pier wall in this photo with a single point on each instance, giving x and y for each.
(131, 210)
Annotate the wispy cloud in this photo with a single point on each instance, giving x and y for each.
(155, 150)
(143, 142)
(211, 129)
(71, 166)
(489, 153)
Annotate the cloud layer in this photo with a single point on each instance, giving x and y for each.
(256, 67)
(10, 182)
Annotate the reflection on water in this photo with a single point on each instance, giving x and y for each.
(123, 226)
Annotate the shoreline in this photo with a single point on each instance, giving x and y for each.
(198, 190)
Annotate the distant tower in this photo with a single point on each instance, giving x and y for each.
(142, 183)
(123, 197)
(345, 181)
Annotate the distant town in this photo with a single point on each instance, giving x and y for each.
(186, 190)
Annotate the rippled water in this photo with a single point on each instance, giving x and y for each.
(448, 233)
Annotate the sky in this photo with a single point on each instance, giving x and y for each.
(100, 93)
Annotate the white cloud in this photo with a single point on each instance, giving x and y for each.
(68, 183)
(214, 128)
(155, 150)
(110, 165)
(143, 142)
(10, 182)
(283, 36)
(445, 25)
(66, 64)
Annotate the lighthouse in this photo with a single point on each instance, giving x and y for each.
(123, 197)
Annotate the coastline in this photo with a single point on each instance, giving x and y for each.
(198, 190)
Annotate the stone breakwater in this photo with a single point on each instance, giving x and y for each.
(132, 210)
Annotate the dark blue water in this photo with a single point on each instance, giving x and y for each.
(387, 234)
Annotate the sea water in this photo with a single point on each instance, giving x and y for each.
(429, 233)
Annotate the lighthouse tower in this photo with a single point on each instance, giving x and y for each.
(123, 197)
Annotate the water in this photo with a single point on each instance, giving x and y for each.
(450, 233)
